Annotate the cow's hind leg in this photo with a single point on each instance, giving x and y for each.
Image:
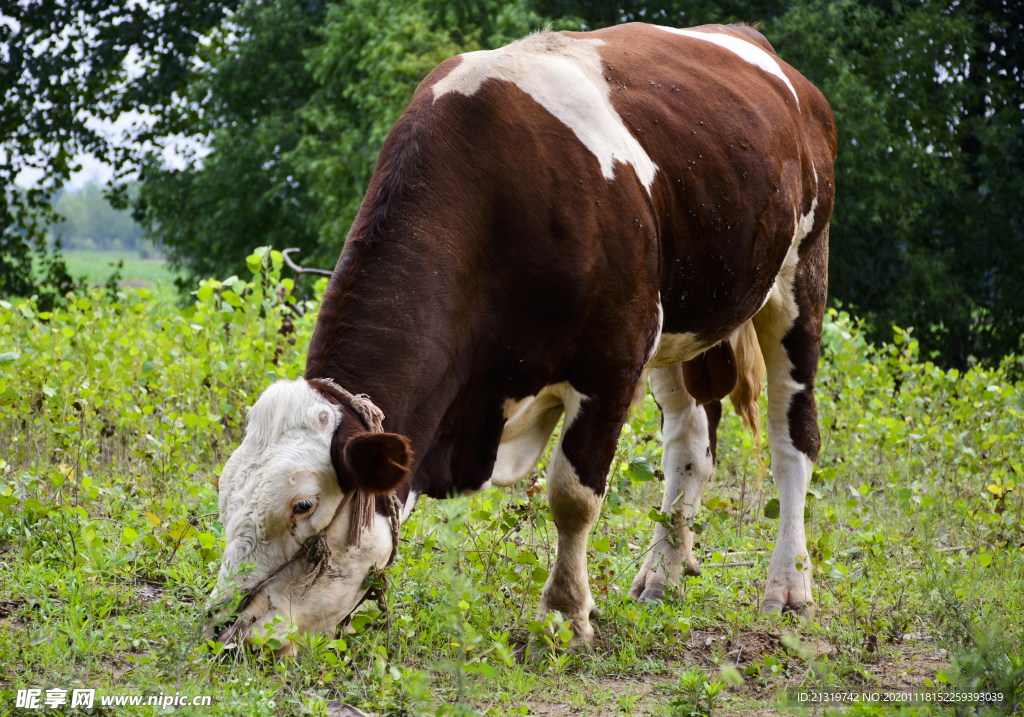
(789, 332)
(577, 480)
(688, 429)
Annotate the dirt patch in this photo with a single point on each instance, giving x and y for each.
(9, 607)
(740, 649)
(148, 593)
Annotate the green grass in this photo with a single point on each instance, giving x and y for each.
(97, 267)
(117, 413)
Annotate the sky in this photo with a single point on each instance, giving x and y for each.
(94, 170)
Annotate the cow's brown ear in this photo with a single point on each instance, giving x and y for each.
(375, 462)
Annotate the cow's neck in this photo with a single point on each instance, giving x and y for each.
(392, 326)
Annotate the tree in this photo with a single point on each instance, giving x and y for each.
(297, 109)
(87, 221)
(247, 99)
(64, 69)
(927, 229)
(295, 98)
(373, 56)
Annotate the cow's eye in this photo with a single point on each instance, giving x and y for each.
(304, 506)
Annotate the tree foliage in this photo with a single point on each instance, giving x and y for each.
(87, 221)
(68, 66)
(295, 98)
(298, 108)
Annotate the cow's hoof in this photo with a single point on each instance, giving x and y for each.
(790, 595)
(652, 594)
(638, 587)
(692, 568)
(648, 586)
(795, 608)
(594, 613)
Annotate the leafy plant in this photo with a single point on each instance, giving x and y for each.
(118, 409)
(694, 695)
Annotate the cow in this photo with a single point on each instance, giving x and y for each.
(551, 226)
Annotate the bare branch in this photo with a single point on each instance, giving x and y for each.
(301, 270)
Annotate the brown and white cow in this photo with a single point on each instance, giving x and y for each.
(548, 222)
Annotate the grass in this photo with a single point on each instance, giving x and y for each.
(97, 266)
(117, 412)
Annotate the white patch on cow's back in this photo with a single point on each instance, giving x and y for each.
(747, 50)
(563, 75)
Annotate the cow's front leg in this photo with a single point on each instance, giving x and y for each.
(688, 430)
(577, 480)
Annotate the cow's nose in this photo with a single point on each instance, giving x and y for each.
(219, 617)
(230, 625)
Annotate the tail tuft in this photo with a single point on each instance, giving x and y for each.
(745, 396)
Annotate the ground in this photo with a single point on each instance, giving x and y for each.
(117, 413)
(138, 271)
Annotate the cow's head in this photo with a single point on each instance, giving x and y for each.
(307, 445)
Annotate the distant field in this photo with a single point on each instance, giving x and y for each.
(96, 267)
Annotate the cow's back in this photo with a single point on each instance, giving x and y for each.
(700, 144)
(744, 145)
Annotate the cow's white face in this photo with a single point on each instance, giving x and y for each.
(302, 450)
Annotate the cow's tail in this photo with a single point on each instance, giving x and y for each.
(747, 392)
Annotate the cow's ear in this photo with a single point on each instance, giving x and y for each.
(374, 462)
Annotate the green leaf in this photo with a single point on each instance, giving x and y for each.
(640, 469)
(658, 517)
(205, 293)
(603, 545)
(730, 676)
(525, 557)
(771, 509)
